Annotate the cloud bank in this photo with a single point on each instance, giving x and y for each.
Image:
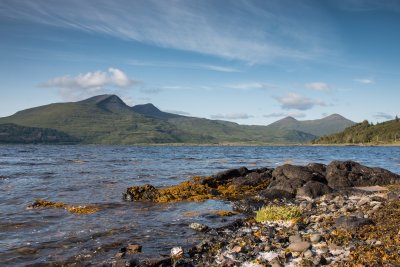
(283, 114)
(295, 101)
(383, 115)
(364, 81)
(89, 84)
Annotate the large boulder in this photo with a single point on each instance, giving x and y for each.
(340, 174)
(291, 177)
(275, 193)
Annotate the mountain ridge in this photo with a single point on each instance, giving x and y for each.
(106, 119)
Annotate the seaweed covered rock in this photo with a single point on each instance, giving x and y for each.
(224, 177)
(341, 174)
(144, 192)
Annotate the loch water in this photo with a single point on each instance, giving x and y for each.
(98, 175)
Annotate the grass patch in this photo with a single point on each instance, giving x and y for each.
(278, 213)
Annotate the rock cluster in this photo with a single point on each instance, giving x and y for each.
(286, 181)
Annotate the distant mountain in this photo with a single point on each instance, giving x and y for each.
(106, 119)
(328, 125)
(12, 133)
(365, 133)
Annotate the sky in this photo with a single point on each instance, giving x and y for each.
(250, 62)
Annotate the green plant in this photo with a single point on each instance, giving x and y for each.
(278, 213)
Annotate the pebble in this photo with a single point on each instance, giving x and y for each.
(295, 238)
(134, 248)
(315, 238)
(299, 246)
(198, 227)
(177, 252)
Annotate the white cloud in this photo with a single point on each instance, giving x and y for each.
(318, 86)
(383, 115)
(179, 112)
(251, 86)
(295, 101)
(231, 116)
(89, 84)
(269, 31)
(198, 66)
(282, 114)
(364, 81)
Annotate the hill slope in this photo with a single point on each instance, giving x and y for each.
(365, 133)
(12, 133)
(106, 119)
(328, 125)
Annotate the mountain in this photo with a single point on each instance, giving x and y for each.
(12, 133)
(328, 125)
(365, 133)
(106, 119)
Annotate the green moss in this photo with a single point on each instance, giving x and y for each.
(278, 213)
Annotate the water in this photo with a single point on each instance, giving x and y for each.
(100, 174)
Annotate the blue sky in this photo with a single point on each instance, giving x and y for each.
(251, 62)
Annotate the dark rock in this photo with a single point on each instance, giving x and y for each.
(351, 222)
(144, 192)
(156, 262)
(313, 189)
(275, 193)
(224, 177)
(317, 168)
(291, 177)
(253, 179)
(341, 174)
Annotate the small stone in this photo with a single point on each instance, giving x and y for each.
(176, 253)
(308, 254)
(267, 248)
(295, 238)
(134, 248)
(198, 227)
(363, 201)
(299, 246)
(315, 238)
(237, 249)
(120, 254)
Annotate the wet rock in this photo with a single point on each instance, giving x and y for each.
(156, 262)
(247, 205)
(198, 227)
(176, 253)
(299, 246)
(341, 174)
(133, 248)
(317, 168)
(313, 189)
(351, 222)
(145, 192)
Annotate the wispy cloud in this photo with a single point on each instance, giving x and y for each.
(251, 86)
(231, 116)
(199, 66)
(295, 101)
(283, 114)
(318, 86)
(364, 81)
(267, 32)
(73, 88)
(383, 115)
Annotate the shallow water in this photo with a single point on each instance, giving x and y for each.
(100, 174)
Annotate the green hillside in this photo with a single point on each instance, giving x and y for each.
(12, 133)
(106, 119)
(365, 133)
(332, 124)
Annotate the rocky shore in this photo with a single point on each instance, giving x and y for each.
(340, 214)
